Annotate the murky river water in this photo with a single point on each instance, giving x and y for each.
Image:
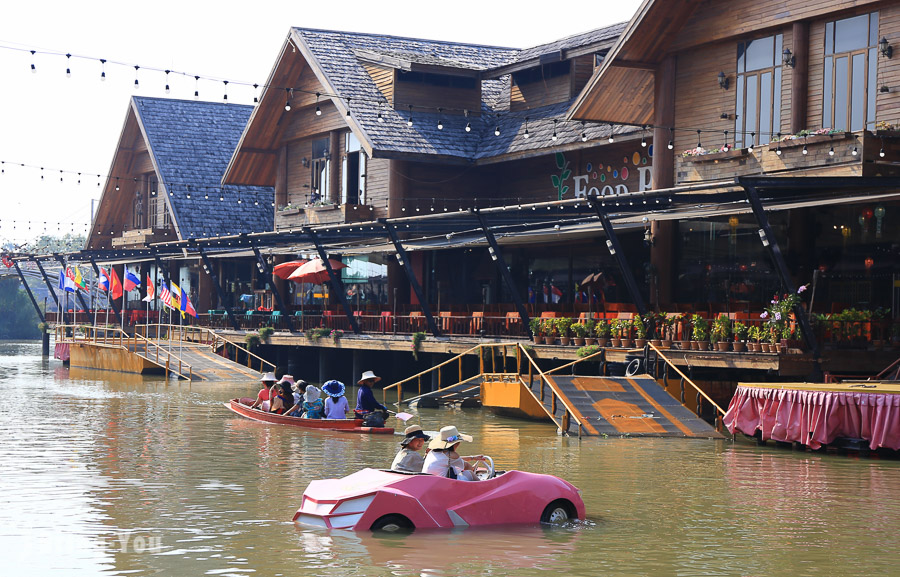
(103, 473)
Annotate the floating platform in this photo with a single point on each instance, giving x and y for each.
(864, 413)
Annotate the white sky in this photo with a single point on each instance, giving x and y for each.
(74, 123)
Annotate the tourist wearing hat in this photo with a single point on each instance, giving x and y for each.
(298, 388)
(365, 399)
(444, 461)
(264, 394)
(408, 460)
(336, 405)
(284, 398)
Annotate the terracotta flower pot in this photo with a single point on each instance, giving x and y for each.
(602, 341)
(538, 339)
(695, 345)
(615, 342)
(703, 345)
(723, 346)
(640, 343)
(564, 341)
(579, 341)
(739, 346)
(685, 345)
(590, 341)
(666, 344)
(656, 342)
(627, 343)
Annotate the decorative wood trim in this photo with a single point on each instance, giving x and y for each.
(726, 155)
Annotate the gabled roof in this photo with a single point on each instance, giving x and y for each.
(190, 143)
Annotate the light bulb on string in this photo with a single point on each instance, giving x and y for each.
(583, 133)
(348, 108)
(68, 69)
(778, 147)
(33, 68)
(671, 144)
(287, 99)
(196, 87)
(643, 138)
(318, 110)
(256, 94)
(526, 135)
(497, 130)
(102, 70)
(136, 83)
(699, 144)
(855, 151)
(167, 81)
(440, 125)
(468, 127)
(409, 121)
(805, 150)
(554, 137)
(380, 117)
(225, 91)
(752, 140)
(611, 138)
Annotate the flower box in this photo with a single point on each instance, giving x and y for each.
(723, 155)
(809, 140)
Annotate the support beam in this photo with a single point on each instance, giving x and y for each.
(264, 269)
(50, 288)
(612, 241)
(413, 281)
(771, 245)
(211, 271)
(799, 76)
(336, 285)
(84, 305)
(111, 302)
(497, 257)
(30, 295)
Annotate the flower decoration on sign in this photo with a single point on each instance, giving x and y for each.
(559, 180)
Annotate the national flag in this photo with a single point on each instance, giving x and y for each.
(7, 261)
(175, 299)
(151, 291)
(132, 281)
(115, 286)
(65, 281)
(186, 306)
(104, 280)
(164, 295)
(79, 279)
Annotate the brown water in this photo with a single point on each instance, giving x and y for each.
(104, 473)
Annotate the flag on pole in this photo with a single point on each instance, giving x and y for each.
(164, 295)
(186, 306)
(79, 279)
(104, 280)
(115, 286)
(132, 281)
(65, 282)
(151, 291)
(175, 299)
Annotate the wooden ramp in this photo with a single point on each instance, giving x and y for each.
(467, 393)
(206, 365)
(632, 406)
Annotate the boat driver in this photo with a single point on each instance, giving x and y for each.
(263, 396)
(408, 459)
(443, 460)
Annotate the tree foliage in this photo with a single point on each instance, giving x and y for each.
(19, 320)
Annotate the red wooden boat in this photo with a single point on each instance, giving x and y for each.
(242, 407)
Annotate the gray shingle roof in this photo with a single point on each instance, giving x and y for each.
(192, 143)
(334, 53)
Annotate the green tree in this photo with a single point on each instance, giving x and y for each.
(19, 319)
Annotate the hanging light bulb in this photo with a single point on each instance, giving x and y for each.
(117, 183)
(136, 83)
(167, 81)
(380, 117)
(409, 121)
(855, 151)
(583, 133)
(643, 138)
(196, 87)
(831, 151)
(671, 145)
(225, 94)
(611, 138)
(805, 150)
(287, 99)
(752, 139)
(497, 130)
(881, 152)
(68, 70)
(318, 110)
(526, 128)
(440, 120)
(468, 127)
(554, 137)
(699, 144)
(348, 108)
(33, 69)
(102, 70)
(255, 93)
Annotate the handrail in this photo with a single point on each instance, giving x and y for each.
(554, 390)
(690, 382)
(576, 361)
(212, 340)
(399, 384)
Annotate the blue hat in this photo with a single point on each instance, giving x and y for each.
(333, 388)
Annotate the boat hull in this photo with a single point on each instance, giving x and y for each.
(241, 407)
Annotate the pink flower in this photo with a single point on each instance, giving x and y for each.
(801, 289)
(764, 315)
(777, 316)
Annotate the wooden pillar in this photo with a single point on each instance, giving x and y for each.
(662, 253)
(334, 172)
(281, 174)
(799, 77)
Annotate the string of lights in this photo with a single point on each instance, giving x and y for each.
(559, 123)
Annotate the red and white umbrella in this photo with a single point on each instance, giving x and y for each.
(284, 270)
(314, 271)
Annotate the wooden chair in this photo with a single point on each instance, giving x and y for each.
(549, 315)
(512, 320)
(477, 322)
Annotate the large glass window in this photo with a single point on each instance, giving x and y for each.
(354, 172)
(758, 104)
(319, 174)
(851, 61)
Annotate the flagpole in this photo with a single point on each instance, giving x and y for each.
(94, 302)
(158, 314)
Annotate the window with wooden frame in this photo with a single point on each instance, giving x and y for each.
(850, 74)
(319, 171)
(354, 172)
(758, 91)
(137, 218)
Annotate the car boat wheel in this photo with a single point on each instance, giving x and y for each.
(393, 524)
(556, 513)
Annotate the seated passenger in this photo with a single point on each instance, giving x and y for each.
(444, 461)
(336, 405)
(408, 460)
(262, 397)
(313, 406)
(367, 408)
(284, 400)
(297, 389)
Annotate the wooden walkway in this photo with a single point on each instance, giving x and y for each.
(209, 366)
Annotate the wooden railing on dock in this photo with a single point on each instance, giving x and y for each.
(205, 336)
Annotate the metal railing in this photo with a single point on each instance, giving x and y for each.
(114, 336)
(684, 379)
(202, 335)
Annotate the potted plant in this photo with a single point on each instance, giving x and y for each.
(603, 331)
(589, 338)
(753, 339)
(563, 324)
(721, 332)
(252, 341)
(548, 328)
(656, 323)
(700, 333)
(667, 329)
(336, 335)
(625, 326)
(640, 331)
(535, 325)
(615, 333)
(265, 333)
(416, 344)
(580, 331)
(687, 330)
(740, 335)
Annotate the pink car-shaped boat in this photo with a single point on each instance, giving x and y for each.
(374, 499)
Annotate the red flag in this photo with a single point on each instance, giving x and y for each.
(7, 262)
(151, 290)
(115, 286)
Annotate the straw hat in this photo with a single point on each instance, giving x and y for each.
(367, 376)
(448, 437)
(413, 432)
(334, 388)
(289, 379)
(299, 386)
(268, 378)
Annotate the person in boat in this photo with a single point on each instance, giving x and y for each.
(443, 460)
(313, 406)
(408, 459)
(367, 408)
(266, 383)
(298, 389)
(284, 398)
(336, 405)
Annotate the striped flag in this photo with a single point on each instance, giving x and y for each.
(131, 281)
(164, 294)
(151, 291)
(104, 280)
(175, 297)
(186, 306)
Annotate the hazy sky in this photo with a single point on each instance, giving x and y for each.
(73, 124)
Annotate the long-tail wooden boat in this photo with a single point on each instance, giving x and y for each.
(242, 407)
